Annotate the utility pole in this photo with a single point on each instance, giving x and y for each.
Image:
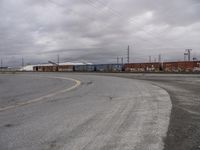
(1, 63)
(122, 60)
(188, 53)
(22, 62)
(128, 55)
(150, 59)
(117, 60)
(159, 58)
(58, 59)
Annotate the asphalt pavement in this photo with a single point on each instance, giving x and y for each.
(60, 111)
(184, 90)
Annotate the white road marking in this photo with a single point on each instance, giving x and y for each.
(46, 96)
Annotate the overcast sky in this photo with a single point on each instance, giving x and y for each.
(97, 30)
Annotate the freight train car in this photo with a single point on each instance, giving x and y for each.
(45, 68)
(143, 67)
(181, 66)
(90, 68)
(79, 68)
(115, 67)
(65, 68)
(84, 68)
(196, 66)
(102, 67)
(53, 68)
(109, 67)
(170, 67)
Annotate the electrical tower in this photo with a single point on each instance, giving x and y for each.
(188, 53)
(185, 55)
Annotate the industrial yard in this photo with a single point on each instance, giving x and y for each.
(177, 66)
(99, 75)
(99, 111)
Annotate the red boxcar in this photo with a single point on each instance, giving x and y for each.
(142, 67)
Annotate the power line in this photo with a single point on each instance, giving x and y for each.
(116, 13)
(113, 13)
(97, 3)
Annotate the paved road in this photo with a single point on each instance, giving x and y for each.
(184, 90)
(100, 113)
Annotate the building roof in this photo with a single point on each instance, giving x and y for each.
(30, 67)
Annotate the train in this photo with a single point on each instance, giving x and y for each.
(178, 66)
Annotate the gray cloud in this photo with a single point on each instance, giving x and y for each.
(97, 30)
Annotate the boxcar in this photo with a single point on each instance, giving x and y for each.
(115, 67)
(79, 68)
(143, 67)
(65, 68)
(90, 68)
(102, 67)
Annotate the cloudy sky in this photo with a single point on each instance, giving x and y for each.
(97, 30)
